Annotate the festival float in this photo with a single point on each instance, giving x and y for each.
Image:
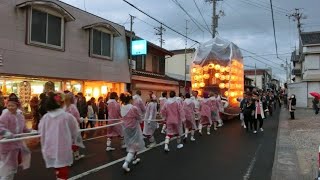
(218, 67)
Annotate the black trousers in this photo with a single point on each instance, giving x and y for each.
(292, 114)
(248, 121)
(255, 122)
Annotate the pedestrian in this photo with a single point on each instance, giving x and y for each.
(114, 116)
(292, 105)
(133, 137)
(91, 115)
(215, 109)
(248, 111)
(82, 108)
(162, 101)
(137, 101)
(180, 98)
(69, 107)
(2, 105)
(189, 110)
(174, 115)
(150, 125)
(42, 105)
(101, 110)
(196, 101)
(34, 105)
(220, 109)
(14, 154)
(259, 113)
(243, 102)
(315, 105)
(205, 113)
(59, 130)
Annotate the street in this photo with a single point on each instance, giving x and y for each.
(229, 153)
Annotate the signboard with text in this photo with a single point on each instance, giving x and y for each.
(139, 47)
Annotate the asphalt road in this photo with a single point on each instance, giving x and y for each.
(229, 153)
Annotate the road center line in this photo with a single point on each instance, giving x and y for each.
(251, 165)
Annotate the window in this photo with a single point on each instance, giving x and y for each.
(140, 62)
(46, 29)
(187, 69)
(101, 43)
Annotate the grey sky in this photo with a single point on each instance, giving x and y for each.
(246, 22)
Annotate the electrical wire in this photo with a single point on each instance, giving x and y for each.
(195, 3)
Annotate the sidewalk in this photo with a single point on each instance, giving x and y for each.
(296, 155)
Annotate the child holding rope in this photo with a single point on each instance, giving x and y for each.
(133, 137)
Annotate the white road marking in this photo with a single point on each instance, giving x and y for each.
(252, 163)
(113, 162)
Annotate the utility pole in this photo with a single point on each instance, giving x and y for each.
(297, 17)
(131, 36)
(185, 59)
(159, 32)
(215, 16)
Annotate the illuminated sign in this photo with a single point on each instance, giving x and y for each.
(139, 47)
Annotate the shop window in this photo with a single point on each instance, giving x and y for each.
(101, 43)
(46, 29)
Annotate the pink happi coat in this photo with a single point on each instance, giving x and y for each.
(137, 102)
(72, 109)
(214, 108)
(114, 113)
(174, 116)
(150, 125)
(179, 99)
(132, 132)
(59, 130)
(9, 152)
(206, 107)
(189, 110)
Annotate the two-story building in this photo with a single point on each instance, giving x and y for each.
(306, 62)
(248, 84)
(261, 77)
(178, 67)
(51, 41)
(148, 71)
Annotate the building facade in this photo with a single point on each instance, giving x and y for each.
(261, 77)
(178, 67)
(306, 62)
(148, 71)
(50, 41)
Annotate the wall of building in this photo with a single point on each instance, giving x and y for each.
(176, 63)
(259, 83)
(74, 62)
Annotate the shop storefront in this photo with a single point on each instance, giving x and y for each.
(28, 87)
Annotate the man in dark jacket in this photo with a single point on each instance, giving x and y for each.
(82, 108)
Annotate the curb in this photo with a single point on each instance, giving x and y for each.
(285, 164)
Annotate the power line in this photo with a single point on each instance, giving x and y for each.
(256, 54)
(261, 6)
(274, 29)
(277, 8)
(201, 15)
(159, 21)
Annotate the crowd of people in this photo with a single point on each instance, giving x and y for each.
(59, 116)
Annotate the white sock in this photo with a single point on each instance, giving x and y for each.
(151, 139)
(186, 133)
(192, 133)
(109, 142)
(179, 140)
(166, 142)
(8, 177)
(129, 158)
(200, 127)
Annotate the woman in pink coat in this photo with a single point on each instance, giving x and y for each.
(113, 113)
(13, 154)
(205, 113)
(162, 101)
(71, 108)
(189, 110)
(214, 109)
(174, 116)
(59, 130)
(150, 125)
(133, 137)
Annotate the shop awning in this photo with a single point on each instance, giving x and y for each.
(103, 25)
(48, 4)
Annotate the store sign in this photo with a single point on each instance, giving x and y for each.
(139, 47)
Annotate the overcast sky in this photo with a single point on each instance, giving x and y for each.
(247, 23)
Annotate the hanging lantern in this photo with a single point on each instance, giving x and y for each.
(217, 67)
(205, 68)
(211, 66)
(195, 85)
(206, 76)
(199, 69)
(217, 75)
(233, 78)
(202, 84)
(227, 77)
(222, 69)
(226, 93)
(232, 94)
(228, 69)
(222, 77)
(221, 85)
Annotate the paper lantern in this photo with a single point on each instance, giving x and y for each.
(206, 68)
(195, 85)
(233, 78)
(222, 77)
(227, 77)
(226, 93)
(196, 77)
(221, 85)
(228, 69)
(202, 84)
(217, 75)
(206, 76)
(232, 94)
(211, 66)
(222, 69)
(194, 70)
(217, 67)
(234, 101)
